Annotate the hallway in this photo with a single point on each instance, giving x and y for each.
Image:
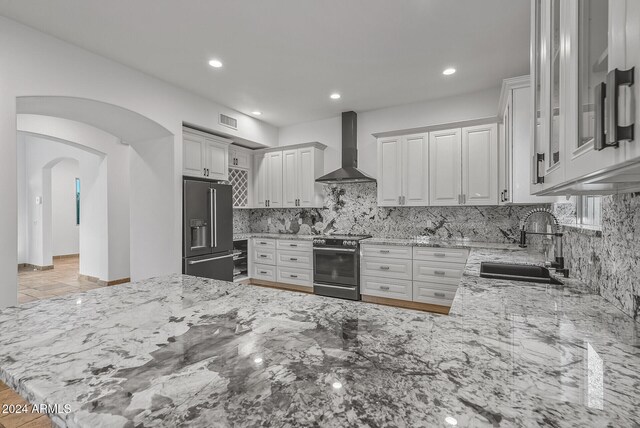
(61, 280)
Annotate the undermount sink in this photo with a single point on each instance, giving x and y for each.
(517, 272)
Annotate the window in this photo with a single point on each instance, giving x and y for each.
(77, 201)
(589, 210)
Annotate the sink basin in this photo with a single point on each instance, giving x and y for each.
(517, 272)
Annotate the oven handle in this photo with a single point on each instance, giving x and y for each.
(339, 250)
(339, 287)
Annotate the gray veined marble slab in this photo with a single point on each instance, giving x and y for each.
(290, 236)
(429, 241)
(182, 351)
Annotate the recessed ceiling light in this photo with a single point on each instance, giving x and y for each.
(336, 385)
(256, 113)
(449, 71)
(257, 360)
(451, 420)
(215, 63)
(335, 96)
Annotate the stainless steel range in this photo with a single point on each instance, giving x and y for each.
(336, 266)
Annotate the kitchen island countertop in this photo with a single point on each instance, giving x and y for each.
(180, 350)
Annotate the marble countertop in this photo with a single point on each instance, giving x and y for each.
(427, 241)
(184, 351)
(292, 236)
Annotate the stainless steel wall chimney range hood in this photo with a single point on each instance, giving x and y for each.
(349, 173)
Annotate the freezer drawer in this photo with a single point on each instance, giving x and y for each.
(214, 266)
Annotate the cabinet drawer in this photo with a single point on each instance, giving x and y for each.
(295, 259)
(434, 293)
(391, 288)
(386, 268)
(296, 276)
(266, 272)
(264, 243)
(390, 251)
(287, 244)
(265, 256)
(449, 255)
(424, 270)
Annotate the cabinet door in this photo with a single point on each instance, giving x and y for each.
(445, 167)
(389, 171)
(308, 167)
(260, 179)
(415, 170)
(243, 159)
(479, 165)
(193, 155)
(290, 179)
(505, 145)
(274, 182)
(217, 160)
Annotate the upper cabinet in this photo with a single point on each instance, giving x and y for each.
(205, 155)
(585, 57)
(239, 157)
(445, 167)
(515, 144)
(480, 165)
(287, 178)
(240, 176)
(403, 165)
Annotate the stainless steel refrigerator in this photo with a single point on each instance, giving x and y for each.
(207, 230)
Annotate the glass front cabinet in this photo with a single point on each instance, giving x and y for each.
(576, 46)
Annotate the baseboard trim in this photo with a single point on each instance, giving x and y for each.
(88, 278)
(427, 307)
(34, 267)
(102, 282)
(66, 256)
(281, 286)
(116, 281)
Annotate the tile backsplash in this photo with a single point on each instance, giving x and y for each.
(352, 208)
(608, 261)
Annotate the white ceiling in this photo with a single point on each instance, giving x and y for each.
(284, 57)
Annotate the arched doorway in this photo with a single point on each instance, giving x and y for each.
(151, 224)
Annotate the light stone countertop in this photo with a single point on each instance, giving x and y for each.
(186, 351)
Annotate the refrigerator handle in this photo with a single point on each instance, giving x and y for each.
(211, 220)
(215, 218)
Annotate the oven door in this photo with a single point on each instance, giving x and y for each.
(336, 266)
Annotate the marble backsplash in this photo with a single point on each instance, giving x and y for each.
(241, 221)
(609, 261)
(352, 209)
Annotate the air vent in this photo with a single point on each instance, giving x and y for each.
(228, 121)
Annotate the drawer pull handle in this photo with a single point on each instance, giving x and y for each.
(264, 256)
(439, 272)
(384, 251)
(439, 294)
(384, 267)
(293, 276)
(293, 245)
(384, 287)
(293, 259)
(440, 254)
(262, 243)
(263, 272)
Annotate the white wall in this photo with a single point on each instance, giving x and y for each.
(104, 248)
(476, 105)
(65, 231)
(74, 72)
(42, 157)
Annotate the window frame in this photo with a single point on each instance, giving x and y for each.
(589, 211)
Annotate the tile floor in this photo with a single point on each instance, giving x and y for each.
(62, 279)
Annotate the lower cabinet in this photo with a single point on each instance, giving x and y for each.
(424, 277)
(282, 261)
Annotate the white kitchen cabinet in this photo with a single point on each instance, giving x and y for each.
(595, 38)
(514, 146)
(403, 173)
(205, 155)
(301, 167)
(480, 165)
(267, 180)
(239, 157)
(445, 167)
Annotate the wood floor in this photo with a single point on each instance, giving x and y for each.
(15, 420)
(59, 281)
